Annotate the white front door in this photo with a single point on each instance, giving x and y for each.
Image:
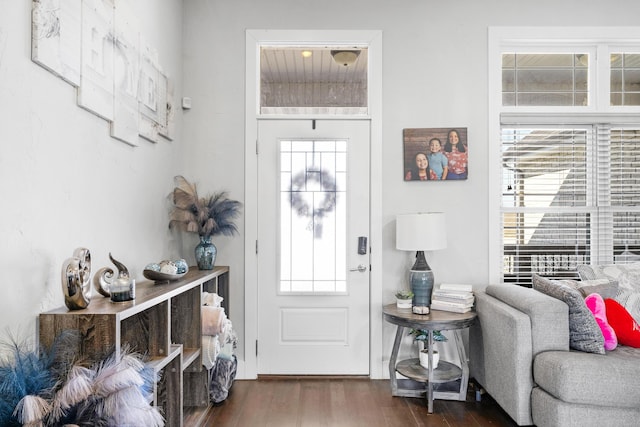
(313, 280)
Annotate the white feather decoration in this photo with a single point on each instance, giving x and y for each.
(113, 380)
(127, 407)
(78, 387)
(118, 384)
(132, 360)
(31, 410)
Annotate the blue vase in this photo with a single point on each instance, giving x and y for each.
(206, 253)
(422, 287)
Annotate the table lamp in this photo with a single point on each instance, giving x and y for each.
(421, 232)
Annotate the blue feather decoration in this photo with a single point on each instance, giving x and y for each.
(52, 389)
(22, 374)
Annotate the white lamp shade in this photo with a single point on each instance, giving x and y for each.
(421, 231)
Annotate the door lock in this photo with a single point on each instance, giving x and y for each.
(361, 268)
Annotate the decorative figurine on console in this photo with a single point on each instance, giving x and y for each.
(119, 289)
(76, 279)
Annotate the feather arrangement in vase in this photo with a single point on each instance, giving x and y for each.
(208, 216)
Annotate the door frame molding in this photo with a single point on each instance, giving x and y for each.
(247, 368)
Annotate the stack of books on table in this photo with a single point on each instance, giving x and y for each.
(455, 298)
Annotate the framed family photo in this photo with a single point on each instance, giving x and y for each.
(435, 154)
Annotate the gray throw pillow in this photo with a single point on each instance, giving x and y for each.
(584, 332)
(604, 287)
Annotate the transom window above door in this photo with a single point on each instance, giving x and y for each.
(328, 80)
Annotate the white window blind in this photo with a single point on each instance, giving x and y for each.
(546, 210)
(625, 193)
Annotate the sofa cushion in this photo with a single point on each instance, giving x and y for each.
(584, 332)
(549, 411)
(591, 379)
(627, 329)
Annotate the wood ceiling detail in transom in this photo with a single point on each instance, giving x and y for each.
(288, 65)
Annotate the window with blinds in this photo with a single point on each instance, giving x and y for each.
(570, 195)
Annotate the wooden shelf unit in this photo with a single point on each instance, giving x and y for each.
(163, 323)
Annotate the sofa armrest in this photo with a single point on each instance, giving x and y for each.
(549, 316)
(514, 325)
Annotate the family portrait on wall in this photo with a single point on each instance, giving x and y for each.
(435, 154)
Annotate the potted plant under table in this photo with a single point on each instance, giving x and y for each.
(421, 336)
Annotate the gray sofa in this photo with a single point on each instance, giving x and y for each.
(519, 354)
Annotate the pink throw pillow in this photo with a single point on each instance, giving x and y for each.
(596, 304)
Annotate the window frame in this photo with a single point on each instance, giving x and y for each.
(550, 40)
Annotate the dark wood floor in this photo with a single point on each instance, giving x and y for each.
(344, 403)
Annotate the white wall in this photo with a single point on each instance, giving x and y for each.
(435, 75)
(65, 182)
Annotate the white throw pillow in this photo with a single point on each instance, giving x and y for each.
(609, 271)
(629, 292)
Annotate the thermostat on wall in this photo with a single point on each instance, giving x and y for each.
(186, 103)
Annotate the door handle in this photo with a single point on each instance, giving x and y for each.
(361, 268)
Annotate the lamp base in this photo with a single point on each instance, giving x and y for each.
(419, 309)
(422, 287)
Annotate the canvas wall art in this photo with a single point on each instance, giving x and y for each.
(55, 41)
(167, 129)
(435, 154)
(96, 46)
(126, 65)
(95, 92)
(149, 94)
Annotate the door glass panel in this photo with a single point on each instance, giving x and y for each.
(313, 216)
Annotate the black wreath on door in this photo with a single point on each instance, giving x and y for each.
(328, 186)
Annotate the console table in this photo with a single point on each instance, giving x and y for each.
(434, 383)
(163, 322)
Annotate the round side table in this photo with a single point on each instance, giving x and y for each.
(419, 377)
